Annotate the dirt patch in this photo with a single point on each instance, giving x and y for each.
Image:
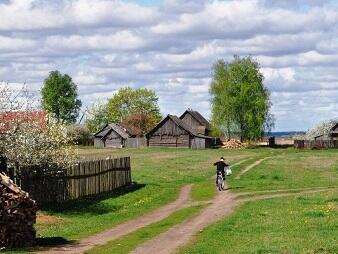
(42, 219)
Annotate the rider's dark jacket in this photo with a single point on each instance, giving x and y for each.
(220, 166)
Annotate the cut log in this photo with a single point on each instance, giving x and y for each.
(18, 216)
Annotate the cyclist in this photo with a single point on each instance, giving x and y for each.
(220, 167)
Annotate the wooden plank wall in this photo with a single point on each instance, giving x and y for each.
(315, 144)
(83, 179)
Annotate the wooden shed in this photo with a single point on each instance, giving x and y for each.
(334, 132)
(196, 122)
(111, 135)
(173, 132)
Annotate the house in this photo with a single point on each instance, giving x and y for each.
(174, 132)
(116, 135)
(196, 122)
(111, 135)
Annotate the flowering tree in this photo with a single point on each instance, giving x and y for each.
(27, 137)
(322, 128)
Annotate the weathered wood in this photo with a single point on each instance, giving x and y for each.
(80, 180)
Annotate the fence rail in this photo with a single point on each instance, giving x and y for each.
(80, 180)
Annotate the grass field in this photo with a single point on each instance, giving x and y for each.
(303, 224)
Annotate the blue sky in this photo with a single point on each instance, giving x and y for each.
(171, 45)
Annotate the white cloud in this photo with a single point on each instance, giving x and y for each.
(107, 44)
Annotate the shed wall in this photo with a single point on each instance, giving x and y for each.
(194, 124)
(98, 143)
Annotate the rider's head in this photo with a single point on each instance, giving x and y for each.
(222, 159)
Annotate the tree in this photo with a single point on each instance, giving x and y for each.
(59, 97)
(97, 117)
(26, 137)
(138, 123)
(240, 102)
(125, 102)
(321, 128)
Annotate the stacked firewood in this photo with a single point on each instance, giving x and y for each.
(233, 144)
(17, 216)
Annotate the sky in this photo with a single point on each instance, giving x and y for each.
(170, 46)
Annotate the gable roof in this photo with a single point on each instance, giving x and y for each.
(333, 129)
(112, 127)
(181, 124)
(176, 120)
(197, 116)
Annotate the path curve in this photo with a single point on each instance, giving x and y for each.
(125, 228)
(285, 194)
(249, 167)
(180, 235)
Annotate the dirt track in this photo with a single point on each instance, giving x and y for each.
(99, 239)
(180, 235)
(249, 167)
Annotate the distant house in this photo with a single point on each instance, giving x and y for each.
(174, 132)
(112, 135)
(116, 135)
(196, 122)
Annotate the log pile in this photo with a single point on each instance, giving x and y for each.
(17, 216)
(233, 144)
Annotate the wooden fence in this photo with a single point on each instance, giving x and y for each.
(83, 179)
(315, 144)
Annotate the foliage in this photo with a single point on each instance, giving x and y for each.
(126, 103)
(98, 117)
(59, 97)
(80, 134)
(27, 138)
(138, 123)
(322, 128)
(240, 102)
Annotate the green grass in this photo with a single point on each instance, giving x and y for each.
(291, 169)
(131, 241)
(203, 191)
(161, 172)
(306, 224)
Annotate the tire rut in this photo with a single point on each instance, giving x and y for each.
(180, 235)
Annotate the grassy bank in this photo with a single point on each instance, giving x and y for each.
(304, 224)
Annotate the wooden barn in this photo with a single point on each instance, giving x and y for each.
(173, 132)
(334, 132)
(196, 122)
(112, 135)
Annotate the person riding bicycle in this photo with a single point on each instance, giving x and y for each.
(220, 167)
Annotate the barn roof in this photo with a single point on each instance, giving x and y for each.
(197, 116)
(181, 124)
(112, 126)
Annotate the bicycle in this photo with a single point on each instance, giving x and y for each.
(220, 181)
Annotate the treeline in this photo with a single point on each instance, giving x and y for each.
(240, 103)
